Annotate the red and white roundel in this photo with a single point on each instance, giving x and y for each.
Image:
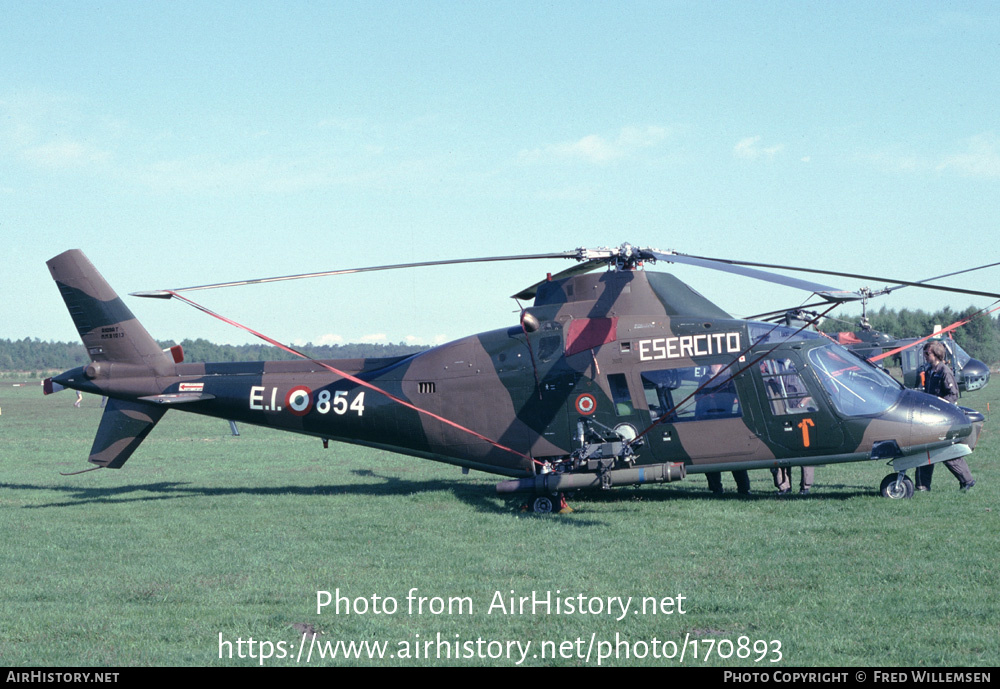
(586, 404)
(299, 400)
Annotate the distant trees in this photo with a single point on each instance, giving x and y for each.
(35, 355)
(980, 337)
(203, 350)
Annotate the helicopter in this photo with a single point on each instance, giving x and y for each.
(970, 374)
(621, 377)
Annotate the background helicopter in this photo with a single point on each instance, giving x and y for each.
(868, 343)
(874, 345)
(970, 374)
(622, 377)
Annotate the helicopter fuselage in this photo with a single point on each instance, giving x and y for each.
(605, 372)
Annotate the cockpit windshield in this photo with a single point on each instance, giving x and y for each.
(961, 356)
(856, 387)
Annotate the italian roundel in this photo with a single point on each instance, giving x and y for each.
(586, 404)
(299, 400)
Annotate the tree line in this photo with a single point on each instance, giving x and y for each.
(980, 338)
(32, 354)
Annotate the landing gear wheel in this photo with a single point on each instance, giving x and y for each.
(543, 506)
(893, 488)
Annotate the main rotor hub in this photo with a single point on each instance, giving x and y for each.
(628, 258)
(625, 257)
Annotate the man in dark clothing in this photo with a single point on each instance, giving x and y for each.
(742, 481)
(716, 399)
(939, 381)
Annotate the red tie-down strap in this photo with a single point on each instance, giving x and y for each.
(353, 379)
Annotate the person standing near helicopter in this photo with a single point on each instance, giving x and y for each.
(716, 398)
(939, 380)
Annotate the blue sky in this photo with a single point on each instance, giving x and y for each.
(185, 143)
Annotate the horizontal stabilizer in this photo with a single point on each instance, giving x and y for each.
(178, 398)
(123, 428)
(49, 386)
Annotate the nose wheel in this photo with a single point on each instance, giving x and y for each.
(896, 486)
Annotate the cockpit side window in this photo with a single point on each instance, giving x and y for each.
(786, 392)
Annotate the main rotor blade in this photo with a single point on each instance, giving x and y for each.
(780, 312)
(946, 275)
(831, 294)
(166, 294)
(856, 276)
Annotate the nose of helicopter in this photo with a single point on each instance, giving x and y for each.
(935, 419)
(975, 374)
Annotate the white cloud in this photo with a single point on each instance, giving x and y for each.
(980, 159)
(894, 161)
(372, 338)
(204, 173)
(436, 340)
(328, 339)
(750, 149)
(596, 149)
(57, 134)
(64, 154)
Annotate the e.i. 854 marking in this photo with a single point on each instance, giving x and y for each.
(300, 400)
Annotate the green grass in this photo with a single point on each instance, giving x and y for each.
(202, 533)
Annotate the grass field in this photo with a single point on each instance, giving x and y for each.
(202, 534)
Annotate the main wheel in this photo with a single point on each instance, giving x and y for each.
(544, 505)
(897, 490)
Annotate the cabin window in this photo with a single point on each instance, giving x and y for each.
(620, 394)
(786, 392)
(548, 346)
(691, 394)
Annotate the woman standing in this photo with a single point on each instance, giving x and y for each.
(940, 382)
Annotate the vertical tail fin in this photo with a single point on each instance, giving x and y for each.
(122, 353)
(107, 327)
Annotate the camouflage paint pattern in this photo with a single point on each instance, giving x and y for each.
(576, 363)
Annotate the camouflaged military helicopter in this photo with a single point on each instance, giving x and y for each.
(625, 376)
